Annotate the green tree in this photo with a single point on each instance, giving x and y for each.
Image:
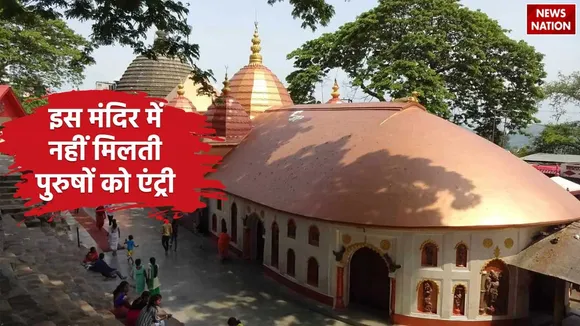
(126, 22)
(462, 63)
(563, 138)
(40, 55)
(565, 90)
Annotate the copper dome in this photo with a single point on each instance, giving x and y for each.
(228, 117)
(182, 102)
(157, 78)
(255, 86)
(388, 165)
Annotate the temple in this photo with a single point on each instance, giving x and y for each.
(377, 204)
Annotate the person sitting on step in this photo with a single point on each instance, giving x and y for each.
(136, 307)
(121, 301)
(100, 266)
(91, 257)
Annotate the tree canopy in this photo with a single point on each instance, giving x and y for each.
(461, 62)
(563, 138)
(41, 54)
(126, 22)
(565, 90)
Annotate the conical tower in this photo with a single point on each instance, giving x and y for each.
(180, 101)
(255, 86)
(155, 77)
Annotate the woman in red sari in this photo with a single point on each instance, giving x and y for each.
(223, 244)
(101, 216)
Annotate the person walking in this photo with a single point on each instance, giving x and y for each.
(109, 212)
(130, 245)
(166, 232)
(114, 236)
(100, 217)
(173, 241)
(153, 277)
(223, 244)
(140, 277)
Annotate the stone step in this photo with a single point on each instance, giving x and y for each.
(13, 177)
(13, 209)
(7, 194)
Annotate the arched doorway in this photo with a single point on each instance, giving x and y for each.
(369, 285)
(254, 238)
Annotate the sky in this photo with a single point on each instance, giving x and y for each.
(224, 28)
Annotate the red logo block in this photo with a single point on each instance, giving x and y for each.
(554, 19)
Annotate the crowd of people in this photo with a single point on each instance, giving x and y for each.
(144, 310)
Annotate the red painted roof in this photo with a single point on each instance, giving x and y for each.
(548, 169)
(17, 109)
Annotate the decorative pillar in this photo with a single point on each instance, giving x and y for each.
(339, 287)
(247, 236)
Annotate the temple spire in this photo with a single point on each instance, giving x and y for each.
(226, 83)
(335, 94)
(256, 57)
(180, 88)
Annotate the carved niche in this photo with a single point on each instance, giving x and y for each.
(427, 294)
(494, 296)
(459, 300)
(461, 255)
(429, 251)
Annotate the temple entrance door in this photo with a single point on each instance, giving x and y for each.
(541, 293)
(369, 281)
(254, 239)
(260, 232)
(203, 220)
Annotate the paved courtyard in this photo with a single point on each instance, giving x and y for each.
(198, 290)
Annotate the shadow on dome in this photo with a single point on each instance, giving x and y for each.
(279, 165)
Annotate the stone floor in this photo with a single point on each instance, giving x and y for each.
(198, 290)
(43, 283)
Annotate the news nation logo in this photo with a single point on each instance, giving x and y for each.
(555, 19)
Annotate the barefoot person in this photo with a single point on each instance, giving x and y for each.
(153, 277)
(121, 302)
(114, 236)
(100, 217)
(223, 244)
(130, 245)
(109, 212)
(140, 277)
(166, 231)
(136, 307)
(173, 242)
(91, 257)
(150, 315)
(100, 266)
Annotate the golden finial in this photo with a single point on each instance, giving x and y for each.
(335, 93)
(180, 89)
(413, 98)
(256, 57)
(226, 89)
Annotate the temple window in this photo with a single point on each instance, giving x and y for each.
(291, 229)
(427, 295)
(461, 255)
(313, 236)
(459, 300)
(312, 276)
(429, 254)
(290, 263)
(214, 223)
(224, 226)
(494, 289)
(234, 222)
(219, 204)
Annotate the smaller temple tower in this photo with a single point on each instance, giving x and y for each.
(257, 87)
(182, 102)
(335, 99)
(229, 119)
